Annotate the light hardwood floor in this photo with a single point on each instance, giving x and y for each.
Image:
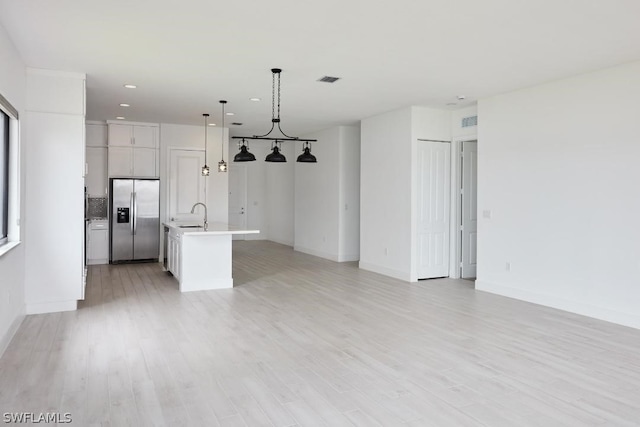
(305, 341)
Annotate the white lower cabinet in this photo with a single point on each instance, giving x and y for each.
(98, 243)
(173, 254)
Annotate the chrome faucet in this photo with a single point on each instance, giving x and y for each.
(193, 208)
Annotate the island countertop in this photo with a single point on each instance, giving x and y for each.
(214, 228)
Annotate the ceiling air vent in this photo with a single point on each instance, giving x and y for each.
(470, 121)
(328, 79)
(236, 124)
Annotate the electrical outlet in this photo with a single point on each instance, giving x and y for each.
(486, 214)
(386, 251)
(507, 266)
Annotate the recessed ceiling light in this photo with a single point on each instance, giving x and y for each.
(128, 86)
(212, 124)
(255, 99)
(125, 105)
(230, 114)
(120, 118)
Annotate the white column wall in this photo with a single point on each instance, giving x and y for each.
(54, 144)
(385, 194)
(12, 263)
(558, 174)
(349, 206)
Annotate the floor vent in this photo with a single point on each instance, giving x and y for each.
(328, 79)
(470, 121)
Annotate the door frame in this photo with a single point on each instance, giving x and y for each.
(455, 264)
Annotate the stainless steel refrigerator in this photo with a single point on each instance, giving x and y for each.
(135, 220)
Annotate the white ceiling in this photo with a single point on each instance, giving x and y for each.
(185, 56)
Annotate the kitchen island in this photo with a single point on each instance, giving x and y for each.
(201, 259)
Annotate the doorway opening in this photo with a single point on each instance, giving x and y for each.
(468, 209)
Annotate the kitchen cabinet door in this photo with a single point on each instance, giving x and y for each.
(96, 178)
(120, 135)
(144, 162)
(120, 161)
(145, 136)
(98, 247)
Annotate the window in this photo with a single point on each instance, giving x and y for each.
(4, 177)
(9, 173)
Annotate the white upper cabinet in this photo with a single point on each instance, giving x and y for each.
(133, 150)
(139, 136)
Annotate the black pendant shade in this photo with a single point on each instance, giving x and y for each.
(244, 155)
(275, 156)
(306, 156)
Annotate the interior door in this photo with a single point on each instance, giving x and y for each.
(186, 185)
(434, 180)
(469, 208)
(238, 197)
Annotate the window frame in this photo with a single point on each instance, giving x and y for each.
(11, 170)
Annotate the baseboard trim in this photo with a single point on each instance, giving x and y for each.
(396, 274)
(11, 332)
(321, 254)
(282, 242)
(601, 313)
(51, 307)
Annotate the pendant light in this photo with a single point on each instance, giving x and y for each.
(244, 155)
(306, 156)
(222, 165)
(205, 168)
(276, 155)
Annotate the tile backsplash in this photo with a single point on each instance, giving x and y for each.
(97, 207)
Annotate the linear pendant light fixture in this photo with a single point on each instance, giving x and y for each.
(222, 165)
(205, 168)
(275, 155)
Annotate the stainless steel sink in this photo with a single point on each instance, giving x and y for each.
(189, 226)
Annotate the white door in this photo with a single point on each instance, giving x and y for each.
(469, 208)
(186, 185)
(434, 182)
(238, 197)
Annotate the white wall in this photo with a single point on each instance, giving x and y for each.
(458, 134)
(317, 196)
(558, 170)
(12, 263)
(256, 189)
(192, 137)
(349, 206)
(385, 193)
(54, 144)
(279, 190)
(327, 213)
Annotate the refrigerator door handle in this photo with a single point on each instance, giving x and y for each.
(134, 221)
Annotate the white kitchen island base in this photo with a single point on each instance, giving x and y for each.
(202, 260)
